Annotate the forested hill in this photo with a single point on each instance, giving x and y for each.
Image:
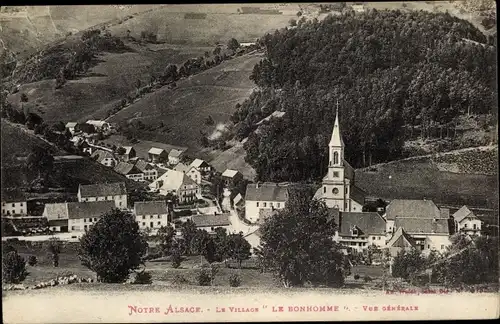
(387, 69)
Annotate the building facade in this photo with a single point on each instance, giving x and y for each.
(177, 183)
(264, 196)
(116, 192)
(466, 222)
(151, 214)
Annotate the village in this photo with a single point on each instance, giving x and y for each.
(182, 191)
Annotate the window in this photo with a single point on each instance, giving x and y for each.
(72, 228)
(265, 204)
(346, 190)
(95, 219)
(428, 246)
(120, 203)
(335, 157)
(14, 205)
(21, 204)
(346, 205)
(143, 223)
(335, 191)
(278, 205)
(474, 226)
(159, 223)
(271, 204)
(442, 246)
(335, 174)
(159, 216)
(143, 217)
(465, 226)
(151, 217)
(84, 220)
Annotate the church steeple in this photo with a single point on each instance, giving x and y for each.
(336, 140)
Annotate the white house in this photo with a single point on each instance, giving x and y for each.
(116, 192)
(422, 220)
(105, 158)
(192, 172)
(100, 125)
(13, 203)
(157, 155)
(466, 222)
(150, 172)
(358, 230)
(174, 156)
(151, 214)
(177, 183)
(201, 165)
(83, 215)
(71, 127)
(130, 171)
(261, 196)
(129, 153)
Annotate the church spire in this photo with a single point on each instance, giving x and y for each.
(336, 139)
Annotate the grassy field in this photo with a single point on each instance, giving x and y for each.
(163, 273)
(421, 178)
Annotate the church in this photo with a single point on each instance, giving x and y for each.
(338, 189)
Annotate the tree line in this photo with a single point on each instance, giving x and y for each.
(386, 70)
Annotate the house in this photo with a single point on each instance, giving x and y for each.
(400, 241)
(130, 171)
(201, 165)
(422, 220)
(157, 155)
(211, 222)
(338, 189)
(358, 230)
(264, 196)
(466, 222)
(193, 173)
(231, 176)
(150, 172)
(14, 202)
(116, 192)
(104, 157)
(56, 211)
(151, 214)
(86, 148)
(177, 183)
(99, 125)
(83, 215)
(71, 127)
(129, 153)
(58, 225)
(174, 156)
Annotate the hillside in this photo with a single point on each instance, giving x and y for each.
(389, 85)
(472, 180)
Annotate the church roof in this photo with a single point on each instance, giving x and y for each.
(336, 139)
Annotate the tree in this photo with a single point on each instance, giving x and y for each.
(238, 248)
(233, 44)
(13, 268)
(221, 241)
(188, 231)
(203, 244)
(176, 253)
(54, 249)
(217, 50)
(113, 247)
(297, 243)
(299, 13)
(293, 22)
(407, 264)
(40, 161)
(24, 97)
(59, 126)
(165, 237)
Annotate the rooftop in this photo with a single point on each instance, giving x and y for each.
(266, 192)
(126, 168)
(175, 153)
(412, 209)
(77, 210)
(463, 213)
(143, 165)
(229, 173)
(368, 223)
(423, 225)
(171, 180)
(401, 239)
(211, 220)
(103, 189)
(156, 151)
(181, 167)
(197, 163)
(157, 207)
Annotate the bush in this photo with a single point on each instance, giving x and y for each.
(234, 280)
(367, 279)
(32, 260)
(180, 280)
(356, 276)
(203, 278)
(13, 268)
(143, 278)
(176, 258)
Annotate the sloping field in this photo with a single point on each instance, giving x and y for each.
(421, 178)
(184, 109)
(110, 81)
(16, 142)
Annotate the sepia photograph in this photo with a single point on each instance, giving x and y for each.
(241, 162)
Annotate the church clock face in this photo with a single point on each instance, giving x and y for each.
(335, 191)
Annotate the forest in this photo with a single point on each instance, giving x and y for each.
(386, 71)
